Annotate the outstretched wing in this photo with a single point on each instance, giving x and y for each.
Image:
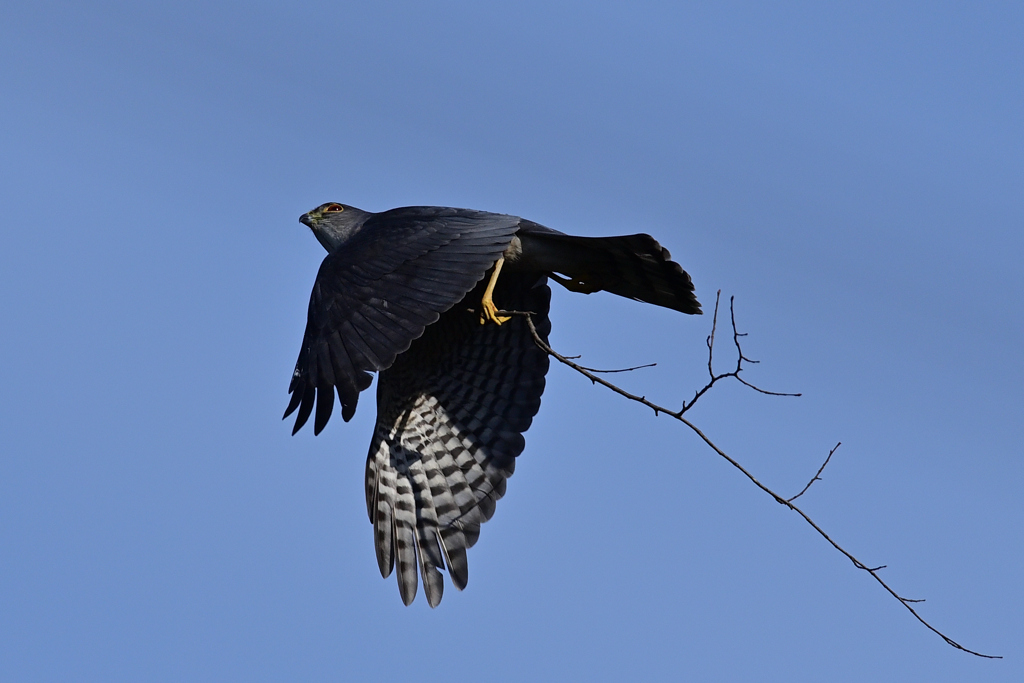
(450, 417)
(377, 292)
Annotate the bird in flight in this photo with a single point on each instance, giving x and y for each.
(414, 294)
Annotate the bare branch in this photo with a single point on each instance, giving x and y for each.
(817, 477)
(739, 359)
(678, 415)
(635, 367)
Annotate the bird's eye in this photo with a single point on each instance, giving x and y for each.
(333, 208)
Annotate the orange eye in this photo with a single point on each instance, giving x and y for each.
(333, 208)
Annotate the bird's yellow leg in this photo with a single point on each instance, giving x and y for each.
(488, 311)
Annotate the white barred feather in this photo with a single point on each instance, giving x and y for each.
(450, 417)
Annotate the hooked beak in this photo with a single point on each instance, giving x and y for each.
(306, 219)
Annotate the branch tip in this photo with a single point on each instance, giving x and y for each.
(906, 602)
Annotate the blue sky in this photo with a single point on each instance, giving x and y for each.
(853, 174)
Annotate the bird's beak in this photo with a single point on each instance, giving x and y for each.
(306, 219)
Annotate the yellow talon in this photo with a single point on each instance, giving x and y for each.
(488, 311)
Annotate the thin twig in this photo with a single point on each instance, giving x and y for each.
(678, 415)
(739, 360)
(635, 367)
(817, 477)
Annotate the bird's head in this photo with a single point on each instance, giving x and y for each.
(334, 223)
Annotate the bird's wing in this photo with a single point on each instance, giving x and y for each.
(450, 417)
(374, 295)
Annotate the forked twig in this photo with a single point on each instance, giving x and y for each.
(678, 415)
(817, 476)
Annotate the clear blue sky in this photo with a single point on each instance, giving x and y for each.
(854, 175)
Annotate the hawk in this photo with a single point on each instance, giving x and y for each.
(414, 295)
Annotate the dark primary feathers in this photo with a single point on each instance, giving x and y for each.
(378, 290)
(399, 293)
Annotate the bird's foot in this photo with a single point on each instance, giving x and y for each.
(489, 312)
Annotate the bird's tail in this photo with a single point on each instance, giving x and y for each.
(633, 266)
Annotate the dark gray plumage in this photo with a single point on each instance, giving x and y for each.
(400, 293)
